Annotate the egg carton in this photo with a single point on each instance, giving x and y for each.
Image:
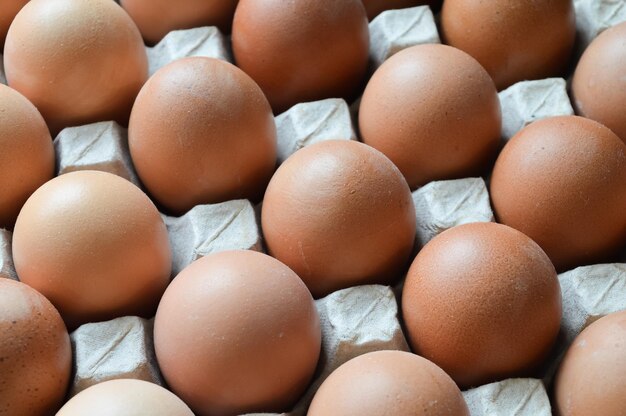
(7, 270)
(359, 319)
(3, 78)
(120, 348)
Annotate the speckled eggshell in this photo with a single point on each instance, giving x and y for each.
(434, 111)
(391, 383)
(592, 376)
(95, 245)
(599, 82)
(483, 302)
(237, 332)
(155, 18)
(8, 10)
(125, 397)
(302, 50)
(77, 61)
(202, 132)
(26, 153)
(340, 214)
(562, 182)
(35, 352)
(375, 7)
(514, 40)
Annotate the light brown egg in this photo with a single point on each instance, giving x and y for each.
(562, 182)
(8, 10)
(237, 332)
(483, 302)
(375, 7)
(125, 397)
(599, 82)
(302, 50)
(201, 132)
(95, 245)
(35, 352)
(434, 111)
(514, 40)
(391, 383)
(592, 376)
(340, 214)
(26, 153)
(77, 61)
(156, 18)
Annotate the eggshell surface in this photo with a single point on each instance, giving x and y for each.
(514, 40)
(95, 245)
(35, 352)
(77, 61)
(8, 10)
(125, 397)
(434, 111)
(599, 82)
(592, 376)
(26, 153)
(302, 50)
(156, 19)
(201, 132)
(562, 182)
(392, 383)
(339, 214)
(237, 332)
(483, 302)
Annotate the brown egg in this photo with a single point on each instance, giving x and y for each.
(514, 40)
(302, 50)
(237, 332)
(8, 10)
(125, 397)
(599, 82)
(201, 132)
(483, 302)
(77, 61)
(592, 376)
(26, 153)
(391, 383)
(156, 18)
(340, 214)
(562, 182)
(35, 352)
(93, 244)
(375, 7)
(434, 111)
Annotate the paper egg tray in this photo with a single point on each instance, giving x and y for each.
(359, 319)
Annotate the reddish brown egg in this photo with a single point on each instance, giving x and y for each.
(599, 83)
(375, 7)
(302, 50)
(77, 61)
(156, 18)
(562, 182)
(237, 332)
(391, 383)
(514, 40)
(592, 377)
(125, 397)
(340, 214)
(93, 244)
(200, 132)
(26, 153)
(8, 10)
(483, 302)
(35, 352)
(434, 111)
